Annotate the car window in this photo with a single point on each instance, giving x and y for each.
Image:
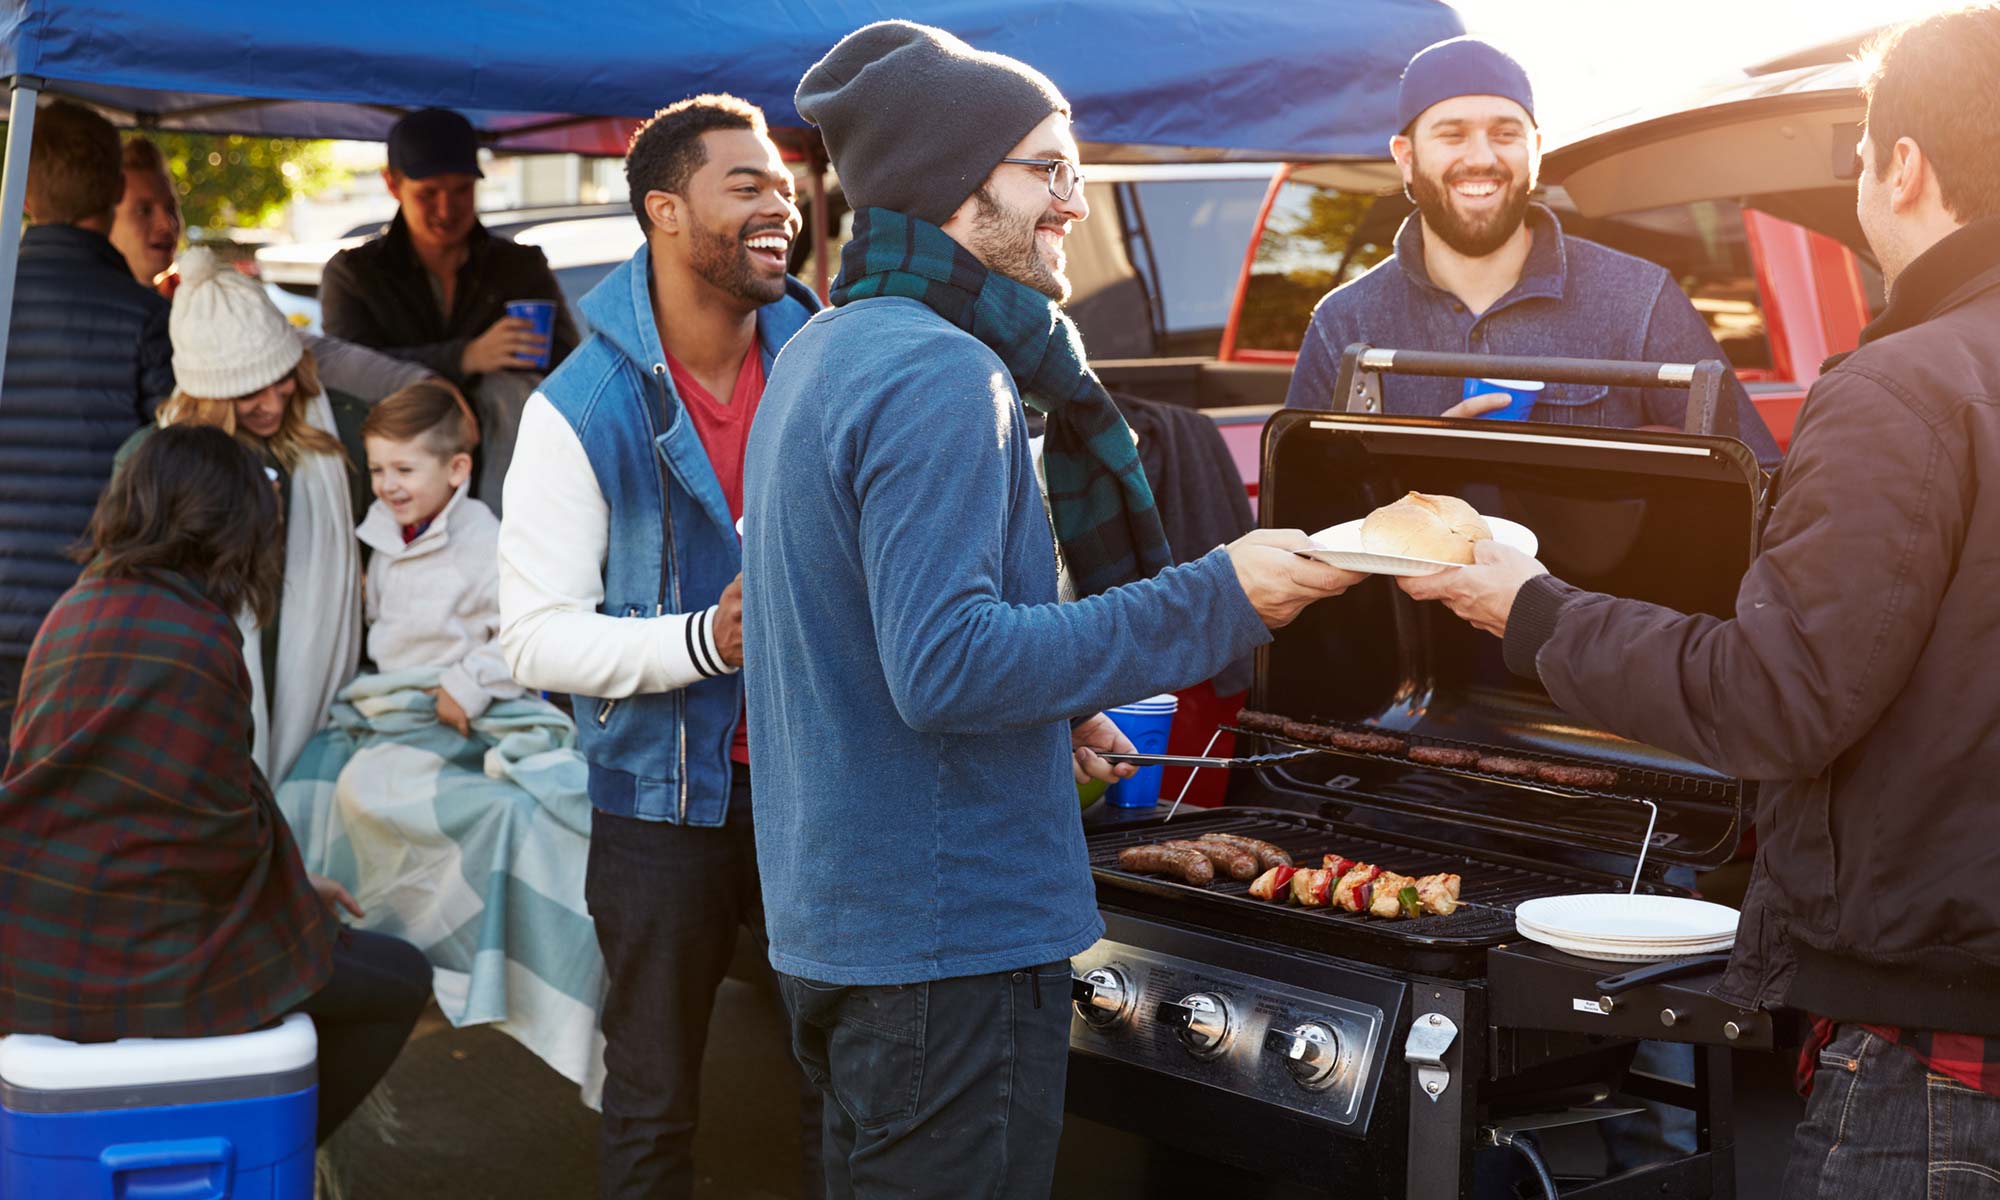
(1705, 247)
(1315, 240)
(1187, 237)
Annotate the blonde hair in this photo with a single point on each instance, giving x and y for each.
(296, 436)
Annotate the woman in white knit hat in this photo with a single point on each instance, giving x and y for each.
(240, 365)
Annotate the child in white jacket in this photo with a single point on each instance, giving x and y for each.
(433, 584)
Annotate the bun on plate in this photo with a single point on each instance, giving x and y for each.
(1440, 528)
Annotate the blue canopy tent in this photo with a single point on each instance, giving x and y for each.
(1149, 79)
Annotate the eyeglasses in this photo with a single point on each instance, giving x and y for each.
(1064, 176)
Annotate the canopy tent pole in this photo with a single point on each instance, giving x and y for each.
(14, 194)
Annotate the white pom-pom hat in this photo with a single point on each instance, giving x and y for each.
(229, 339)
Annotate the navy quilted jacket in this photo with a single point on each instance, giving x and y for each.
(88, 361)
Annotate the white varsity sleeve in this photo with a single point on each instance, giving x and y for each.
(553, 534)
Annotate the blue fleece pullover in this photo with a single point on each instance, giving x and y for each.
(910, 673)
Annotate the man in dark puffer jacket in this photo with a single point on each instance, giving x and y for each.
(88, 361)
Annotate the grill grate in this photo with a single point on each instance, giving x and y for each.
(1641, 783)
(1489, 890)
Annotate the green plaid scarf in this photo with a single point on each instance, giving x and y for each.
(1102, 505)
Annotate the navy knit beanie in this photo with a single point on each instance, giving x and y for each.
(915, 120)
(1460, 66)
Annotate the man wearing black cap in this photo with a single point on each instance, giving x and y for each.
(921, 703)
(1481, 270)
(434, 286)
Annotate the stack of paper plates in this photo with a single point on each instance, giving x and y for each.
(1621, 928)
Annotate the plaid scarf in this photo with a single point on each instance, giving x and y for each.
(1098, 495)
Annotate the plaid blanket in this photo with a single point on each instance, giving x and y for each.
(148, 887)
(1098, 495)
(472, 848)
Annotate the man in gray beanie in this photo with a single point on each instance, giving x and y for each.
(921, 704)
(1480, 269)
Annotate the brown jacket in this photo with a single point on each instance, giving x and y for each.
(1860, 677)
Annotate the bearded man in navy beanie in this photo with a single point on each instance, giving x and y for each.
(1482, 269)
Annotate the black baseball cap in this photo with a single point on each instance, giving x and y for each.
(433, 141)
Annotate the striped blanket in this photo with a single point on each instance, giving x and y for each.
(471, 848)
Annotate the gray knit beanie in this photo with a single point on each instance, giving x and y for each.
(915, 120)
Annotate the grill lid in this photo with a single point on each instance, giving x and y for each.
(1670, 518)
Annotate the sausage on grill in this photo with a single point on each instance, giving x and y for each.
(1444, 756)
(1236, 863)
(1576, 776)
(1260, 722)
(1500, 764)
(1268, 856)
(1364, 743)
(1186, 865)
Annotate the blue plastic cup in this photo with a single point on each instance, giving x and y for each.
(1147, 723)
(1521, 394)
(542, 315)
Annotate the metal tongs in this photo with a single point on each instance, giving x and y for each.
(1196, 761)
(1199, 760)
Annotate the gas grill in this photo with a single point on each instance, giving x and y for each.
(1376, 1057)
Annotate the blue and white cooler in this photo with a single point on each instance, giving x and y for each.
(217, 1118)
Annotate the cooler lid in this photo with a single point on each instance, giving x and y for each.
(1670, 518)
(44, 1064)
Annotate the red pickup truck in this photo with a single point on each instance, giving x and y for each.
(1745, 195)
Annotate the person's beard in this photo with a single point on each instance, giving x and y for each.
(1004, 239)
(723, 259)
(1474, 237)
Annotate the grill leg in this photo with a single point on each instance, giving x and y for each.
(1715, 1126)
(1442, 1131)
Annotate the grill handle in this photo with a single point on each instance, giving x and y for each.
(1359, 385)
(1700, 964)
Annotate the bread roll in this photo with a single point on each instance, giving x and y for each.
(1440, 528)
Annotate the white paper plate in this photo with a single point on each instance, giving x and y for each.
(1340, 545)
(1633, 953)
(1618, 918)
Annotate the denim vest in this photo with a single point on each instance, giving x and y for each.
(673, 547)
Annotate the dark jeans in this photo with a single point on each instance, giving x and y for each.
(946, 1089)
(1880, 1124)
(667, 901)
(363, 1016)
(1659, 1132)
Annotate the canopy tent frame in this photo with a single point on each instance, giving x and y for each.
(1209, 80)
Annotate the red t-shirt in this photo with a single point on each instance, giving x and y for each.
(724, 430)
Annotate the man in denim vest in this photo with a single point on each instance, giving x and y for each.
(1480, 270)
(620, 584)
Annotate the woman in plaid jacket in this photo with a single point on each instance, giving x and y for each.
(148, 885)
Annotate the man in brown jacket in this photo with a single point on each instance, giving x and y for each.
(1857, 679)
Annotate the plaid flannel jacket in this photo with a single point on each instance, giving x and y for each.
(148, 885)
(1969, 1058)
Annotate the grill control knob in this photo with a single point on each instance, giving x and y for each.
(1201, 1020)
(1103, 996)
(1311, 1051)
